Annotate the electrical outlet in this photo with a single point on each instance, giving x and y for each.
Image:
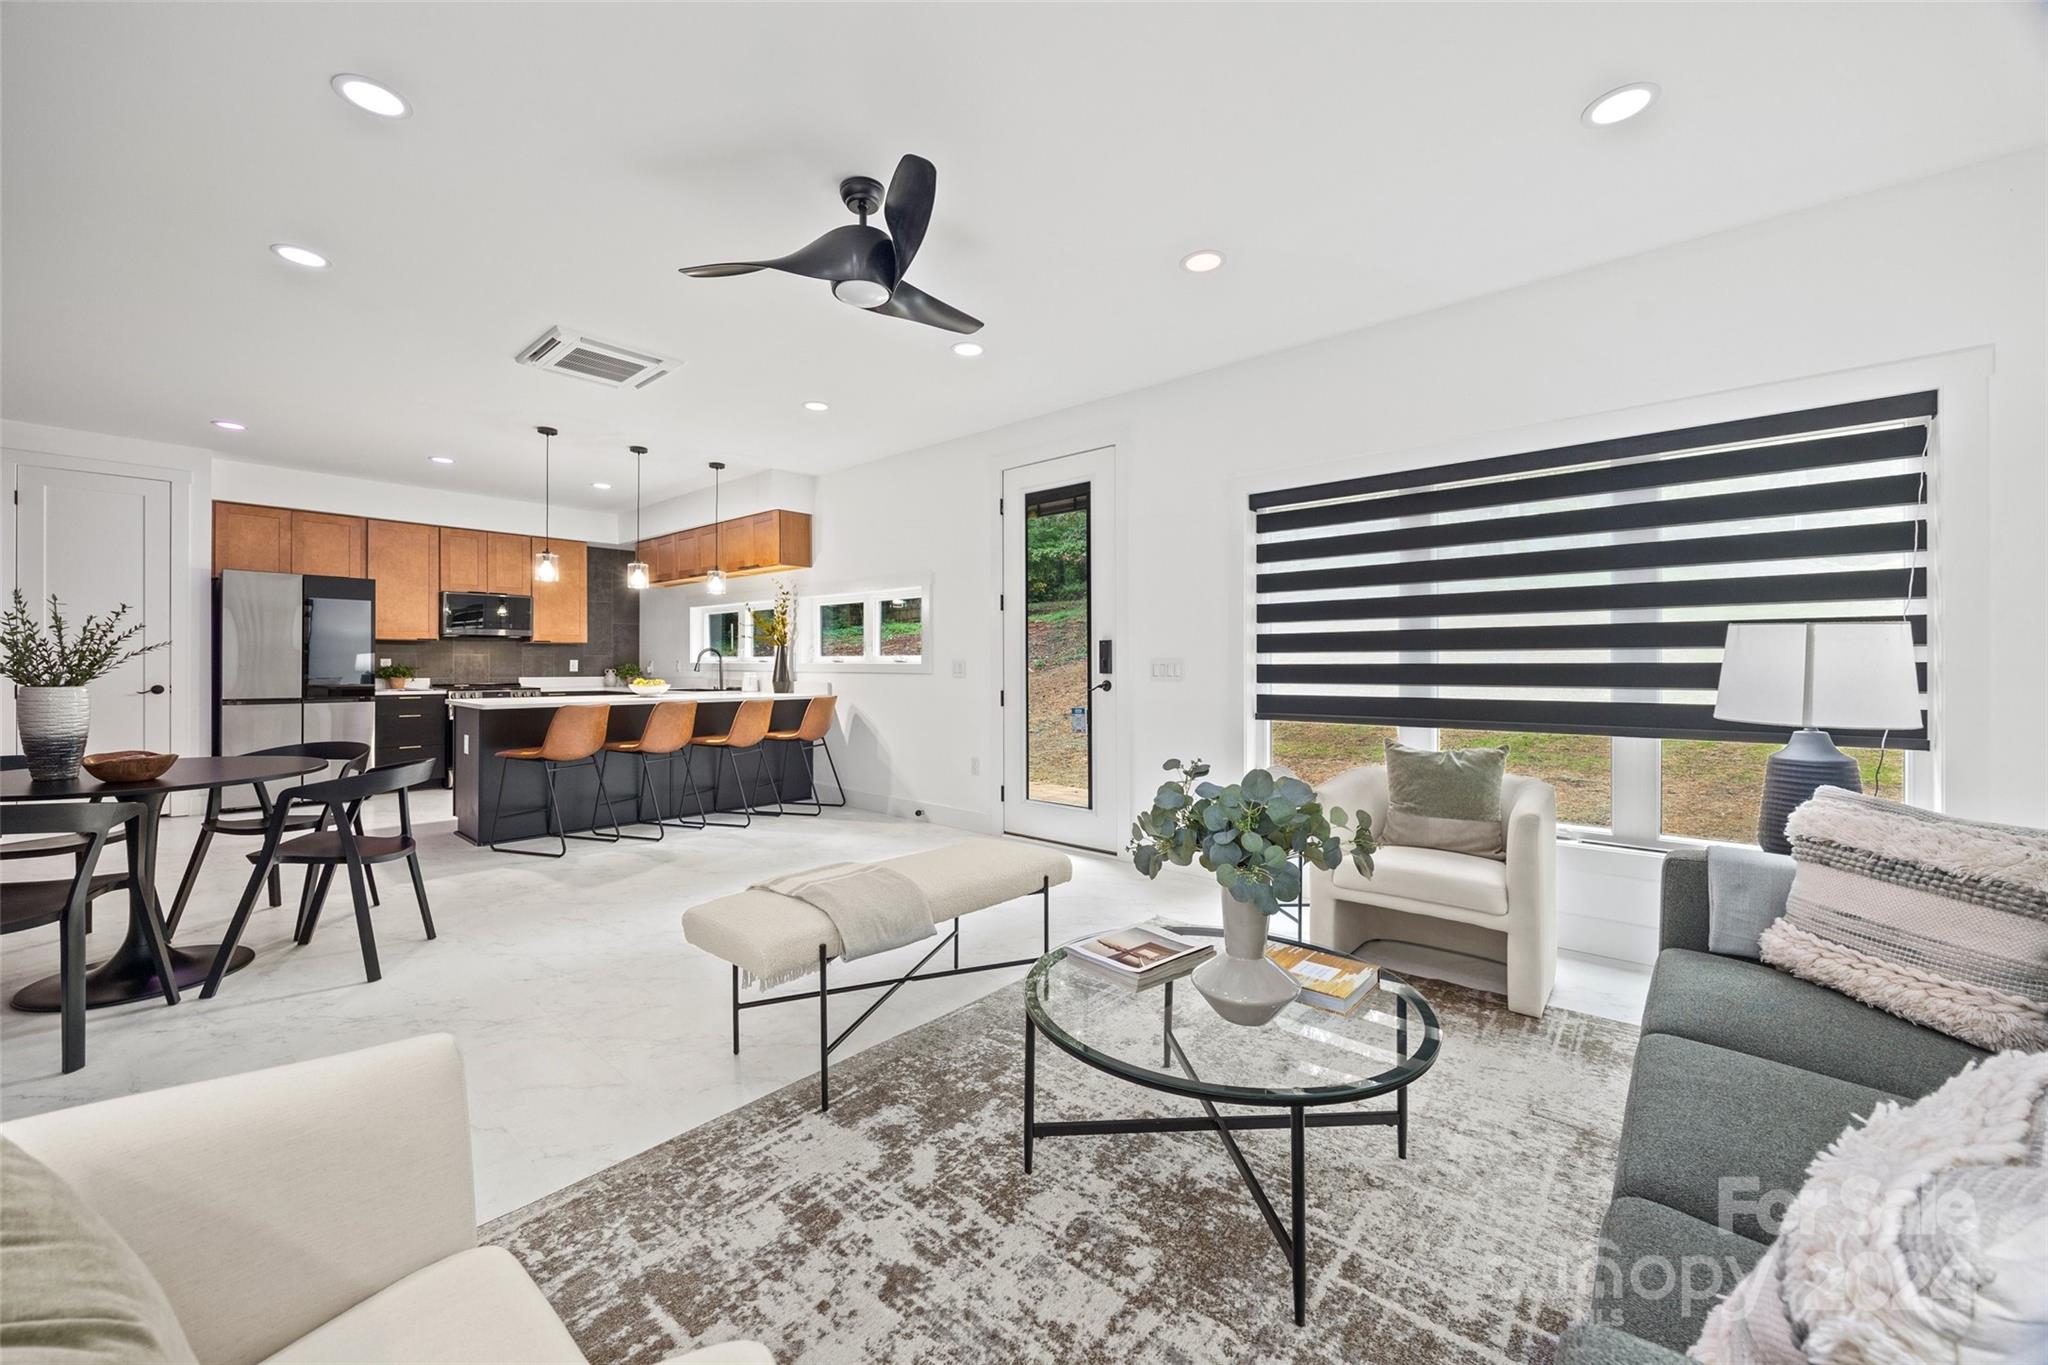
(383, 663)
(959, 668)
(1170, 670)
(573, 663)
(974, 767)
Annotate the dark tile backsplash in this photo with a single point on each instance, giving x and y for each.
(614, 638)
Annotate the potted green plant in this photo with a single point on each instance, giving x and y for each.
(626, 673)
(395, 676)
(51, 668)
(1248, 835)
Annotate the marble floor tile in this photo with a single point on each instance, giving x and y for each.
(589, 1029)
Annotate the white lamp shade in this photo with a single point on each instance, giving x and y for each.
(1851, 675)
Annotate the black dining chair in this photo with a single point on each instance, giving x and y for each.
(335, 841)
(352, 757)
(70, 845)
(66, 901)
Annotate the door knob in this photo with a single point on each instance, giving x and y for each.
(157, 691)
(1102, 686)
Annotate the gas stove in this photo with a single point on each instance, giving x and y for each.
(466, 691)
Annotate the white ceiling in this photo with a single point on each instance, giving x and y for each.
(1355, 163)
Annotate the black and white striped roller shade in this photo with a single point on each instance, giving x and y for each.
(1587, 589)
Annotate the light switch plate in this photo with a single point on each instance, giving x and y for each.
(573, 663)
(959, 668)
(1169, 670)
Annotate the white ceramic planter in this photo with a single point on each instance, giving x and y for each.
(53, 722)
(1240, 983)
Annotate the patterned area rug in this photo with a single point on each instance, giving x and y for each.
(902, 1227)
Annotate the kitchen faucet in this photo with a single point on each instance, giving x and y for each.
(712, 650)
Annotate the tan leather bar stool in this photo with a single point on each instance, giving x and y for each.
(808, 737)
(749, 727)
(575, 736)
(664, 738)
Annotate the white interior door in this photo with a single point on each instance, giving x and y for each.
(95, 541)
(1060, 767)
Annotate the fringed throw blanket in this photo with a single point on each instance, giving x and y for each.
(1937, 920)
(874, 908)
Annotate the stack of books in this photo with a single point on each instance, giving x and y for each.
(1139, 956)
(1329, 981)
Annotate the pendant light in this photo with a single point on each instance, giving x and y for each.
(714, 582)
(547, 565)
(636, 572)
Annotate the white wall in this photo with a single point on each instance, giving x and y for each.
(1935, 283)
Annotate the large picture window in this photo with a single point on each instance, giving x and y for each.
(1572, 604)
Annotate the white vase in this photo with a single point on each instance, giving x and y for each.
(1240, 983)
(53, 722)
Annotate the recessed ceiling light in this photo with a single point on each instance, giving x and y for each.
(967, 348)
(299, 255)
(1202, 262)
(228, 424)
(602, 487)
(367, 95)
(1617, 106)
(442, 459)
(815, 406)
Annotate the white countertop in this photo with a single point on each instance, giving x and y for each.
(530, 703)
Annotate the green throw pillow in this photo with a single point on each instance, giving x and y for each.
(1447, 799)
(76, 1294)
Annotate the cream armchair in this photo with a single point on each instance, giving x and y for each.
(322, 1211)
(1503, 912)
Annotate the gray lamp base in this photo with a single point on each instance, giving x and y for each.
(1794, 773)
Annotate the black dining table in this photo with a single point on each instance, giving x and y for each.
(131, 973)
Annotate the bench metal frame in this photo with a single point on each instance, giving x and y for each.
(889, 986)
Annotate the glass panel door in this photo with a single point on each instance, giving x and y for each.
(1059, 742)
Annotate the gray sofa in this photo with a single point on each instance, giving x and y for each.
(1743, 1074)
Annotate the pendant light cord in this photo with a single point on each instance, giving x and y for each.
(547, 493)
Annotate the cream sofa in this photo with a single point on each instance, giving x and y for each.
(318, 1212)
(1503, 912)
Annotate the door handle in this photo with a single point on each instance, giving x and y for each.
(1102, 686)
(156, 691)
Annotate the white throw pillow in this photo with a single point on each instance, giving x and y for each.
(1921, 1235)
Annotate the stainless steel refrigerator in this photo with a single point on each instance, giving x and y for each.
(295, 660)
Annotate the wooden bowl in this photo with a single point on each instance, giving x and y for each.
(129, 765)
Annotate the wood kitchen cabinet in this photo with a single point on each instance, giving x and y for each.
(462, 560)
(250, 537)
(766, 542)
(561, 610)
(693, 552)
(659, 556)
(508, 563)
(323, 543)
(405, 559)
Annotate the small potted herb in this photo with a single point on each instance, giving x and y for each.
(395, 676)
(51, 668)
(1248, 835)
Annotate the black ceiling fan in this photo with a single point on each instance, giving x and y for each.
(866, 265)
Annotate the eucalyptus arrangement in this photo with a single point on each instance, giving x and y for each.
(51, 667)
(1248, 835)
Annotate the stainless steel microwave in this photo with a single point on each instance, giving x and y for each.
(499, 615)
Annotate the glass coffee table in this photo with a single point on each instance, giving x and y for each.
(1166, 1037)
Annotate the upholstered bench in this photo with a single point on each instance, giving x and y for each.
(771, 939)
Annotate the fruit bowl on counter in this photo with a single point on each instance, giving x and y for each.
(648, 687)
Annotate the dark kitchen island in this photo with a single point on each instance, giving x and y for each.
(485, 725)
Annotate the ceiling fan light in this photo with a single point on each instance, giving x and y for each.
(861, 293)
(636, 576)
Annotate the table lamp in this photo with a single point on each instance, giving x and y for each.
(1812, 674)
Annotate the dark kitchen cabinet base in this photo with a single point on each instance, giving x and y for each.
(481, 733)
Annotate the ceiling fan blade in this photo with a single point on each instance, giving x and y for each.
(908, 208)
(852, 252)
(914, 304)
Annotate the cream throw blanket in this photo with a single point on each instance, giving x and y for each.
(874, 908)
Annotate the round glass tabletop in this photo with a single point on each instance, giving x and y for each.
(1307, 1055)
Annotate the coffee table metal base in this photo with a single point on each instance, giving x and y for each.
(1292, 1234)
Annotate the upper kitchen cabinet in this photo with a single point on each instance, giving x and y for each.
(323, 543)
(765, 542)
(253, 538)
(405, 559)
(561, 610)
(463, 560)
(508, 564)
(693, 552)
(659, 555)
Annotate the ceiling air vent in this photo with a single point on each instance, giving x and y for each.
(600, 362)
